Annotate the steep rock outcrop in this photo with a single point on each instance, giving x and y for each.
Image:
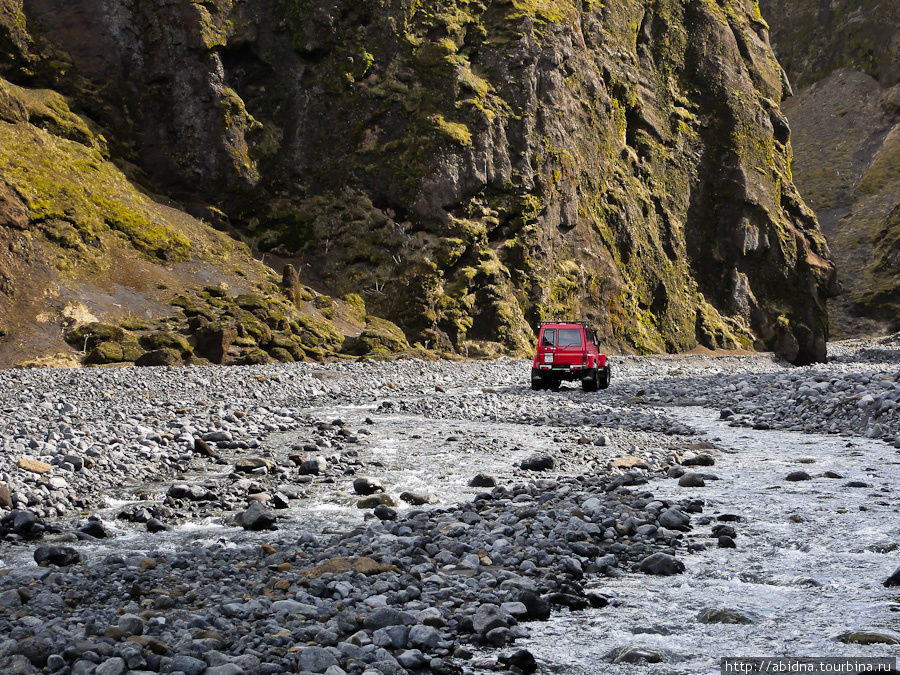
(845, 117)
(471, 167)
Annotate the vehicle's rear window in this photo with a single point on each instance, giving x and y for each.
(569, 337)
(562, 337)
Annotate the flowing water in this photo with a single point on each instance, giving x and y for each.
(810, 563)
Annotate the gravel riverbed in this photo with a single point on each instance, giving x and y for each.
(401, 516)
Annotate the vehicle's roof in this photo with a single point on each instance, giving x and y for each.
(562, 325)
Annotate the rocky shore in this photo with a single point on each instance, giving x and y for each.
(368, 517)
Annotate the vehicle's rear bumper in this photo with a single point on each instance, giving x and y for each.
(560, 372)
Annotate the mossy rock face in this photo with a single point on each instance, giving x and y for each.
(213, 341)
(318, 335)
(287, 344)
(166, 340)
(356, 306)
(469, 167)
(280, 354)
(250, 326)
(114, 352)
(193, 307)
(379, 337)
(255, 357)
(89, 335)
(251, 302)
(325, 305)
(160, 357)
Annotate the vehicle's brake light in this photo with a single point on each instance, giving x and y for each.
(584, 359)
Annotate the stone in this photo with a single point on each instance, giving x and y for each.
(313, 467)
(6, 501)
(188, 665)
(202, 448)
(635, 654)
(10, 599)
(482, 480)
(488, 617)
(256, 517)
(416, 498)
(630, 462)
(94, 528)
(795, 476)
(894, 579)
(426, 637)
(77, 461)
(538, 463)
(61, 556)
(114, 666)
(250, 464)
(869, 637)
(674, 519)
(523, 660)
(372, 501)
(131, 624)
(367, 486)
(383, 512)
(661, 564)
(154, 525)
(34, 465)
(691, 479)
(362, 564)
(698, 460)
(159, 358)
(388, 616)
(724, 615)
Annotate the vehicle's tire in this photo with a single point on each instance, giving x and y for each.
(590, 383)
(537, 382)
(604, 377)
(553, 385)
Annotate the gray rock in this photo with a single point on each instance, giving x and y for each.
(691, 479)
(114, 666)
(482, 480)
(313, 467)
(131, 624)
(488, 617)
(365, 485)
(10, 599)
(538, 463)
(424, 636)
(388, 616)
(661, 564)
(188, 664)
(256, 517)
(724, 615)
(316, 659)
(61, 556)
(795, 476)
(674, 519)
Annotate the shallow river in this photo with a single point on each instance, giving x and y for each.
(809, 565)
(802, 582)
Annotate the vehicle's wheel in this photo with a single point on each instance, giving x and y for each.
(590, 383)
(604, 378)
(537, 382)
(553, 385)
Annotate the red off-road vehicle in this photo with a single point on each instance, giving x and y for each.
(569, 350)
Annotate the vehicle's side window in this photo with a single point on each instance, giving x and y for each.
(549, 338)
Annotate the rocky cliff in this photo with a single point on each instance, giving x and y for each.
(467, 167)
(841, 58)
